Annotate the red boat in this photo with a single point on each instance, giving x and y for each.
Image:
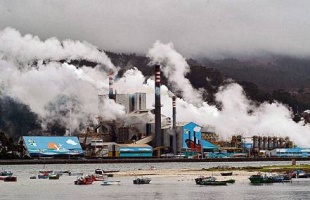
(99, 177)
(85, 180)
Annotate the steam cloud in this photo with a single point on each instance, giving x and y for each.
(57, 82)
(44, 84)
(175, 69)
(28, 48)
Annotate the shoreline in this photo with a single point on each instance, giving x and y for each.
(139, 160)
(186, 174)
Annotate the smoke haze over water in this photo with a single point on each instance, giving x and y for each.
(50, 83)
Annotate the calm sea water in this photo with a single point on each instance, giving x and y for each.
(181, 187)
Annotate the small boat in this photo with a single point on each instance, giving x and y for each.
(299, 174)
(258, 178)
(101, 171)
(209, 180)
(106, 183)
(10, 179)
(226, 173)
(201, 178)
(6, 173)
(45, 171)
(99, 177)
(84, 180)
(206, 182)
(142, 181)
(43, 176)
(75, 173)
(53, 176)
(278, 178)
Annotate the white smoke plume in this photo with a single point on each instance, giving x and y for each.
(52, 88)
(175, 68)
(29, 48)
(45, 85)
(238, 115)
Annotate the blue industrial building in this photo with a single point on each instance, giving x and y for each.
(290, 152)
(52, 146)
(190, 139)
(130, 150)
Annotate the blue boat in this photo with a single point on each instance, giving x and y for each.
(278, 178)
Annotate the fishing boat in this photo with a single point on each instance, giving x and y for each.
(53, 176)
(99, 177)
(142, 180)
(43, 176)
(226, 173)
(207, 182)
(84, 180)
(201, 178)
(299, 174)
(277, 178)
(10, 179)
(107, 183)
(75, 173)
(45, 171)
(101, 171)
(210, 180)
(259, 178)
(5, 173)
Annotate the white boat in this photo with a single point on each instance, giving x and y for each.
(106, 183)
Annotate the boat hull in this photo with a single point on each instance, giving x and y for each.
(10, 179)
(213, 183)
(142, 181)
(226, 173)
(257, 179)
(107, 183)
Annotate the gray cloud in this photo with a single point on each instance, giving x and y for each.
(214, 28)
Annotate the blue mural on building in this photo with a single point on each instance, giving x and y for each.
(192, 138)
(52, 146)
(136, 151)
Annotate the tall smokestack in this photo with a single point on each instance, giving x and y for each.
(111, 95)
(174, 125)
(157, 107)
(265, 141)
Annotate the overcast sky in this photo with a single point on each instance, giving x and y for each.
(213, 28)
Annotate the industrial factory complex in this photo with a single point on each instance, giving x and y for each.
(147, 133)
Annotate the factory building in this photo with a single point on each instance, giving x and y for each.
(52, 146)
(290, 152)
(190, 140)
(131, 102)
(130, 150)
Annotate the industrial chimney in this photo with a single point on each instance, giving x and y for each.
(157, 107)
(265, 141)
(174, 124)
(111, 95)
